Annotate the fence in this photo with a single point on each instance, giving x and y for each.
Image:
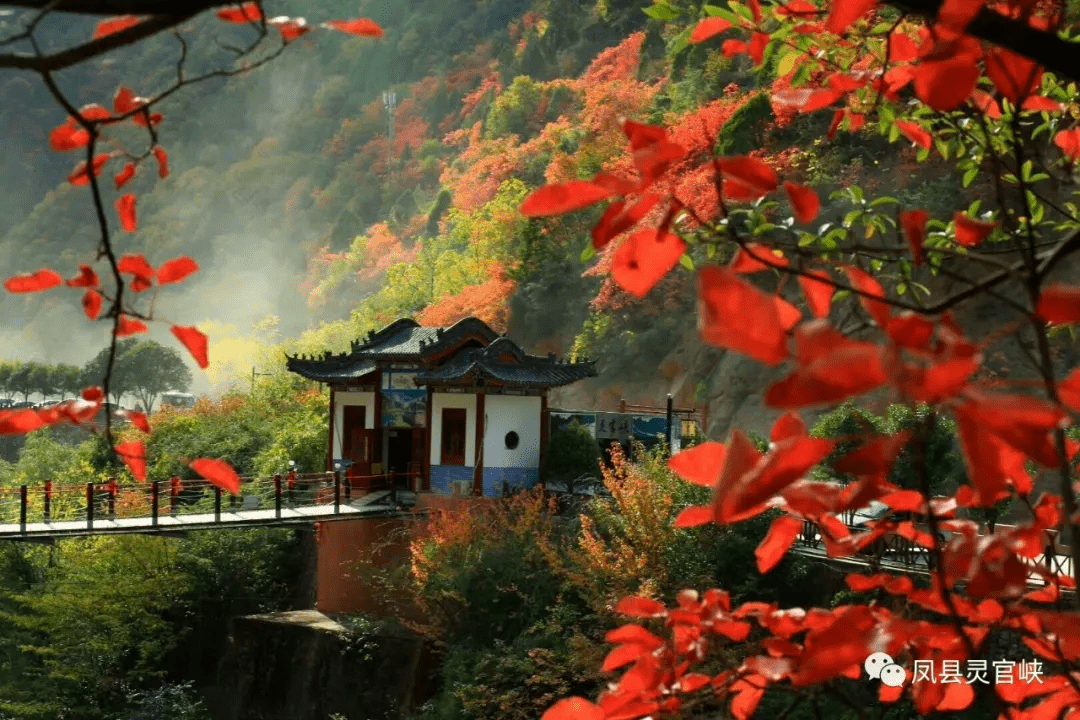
(899, 550)
(110, 500)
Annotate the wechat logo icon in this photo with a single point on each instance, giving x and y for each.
(880, 666)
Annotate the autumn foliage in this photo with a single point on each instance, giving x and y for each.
(86, 129)
(862, 62)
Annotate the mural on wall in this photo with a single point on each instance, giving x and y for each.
(562, 420)
(403, 404)
(613, 426)
(622, 427)
(652, 429)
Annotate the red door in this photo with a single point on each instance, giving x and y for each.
(357, 442)
(453, 436)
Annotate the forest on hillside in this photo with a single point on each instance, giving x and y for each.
(286, 191)
(847, 228)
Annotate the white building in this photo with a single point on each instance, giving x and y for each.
(451, 408)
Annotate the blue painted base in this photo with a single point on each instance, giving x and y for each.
(514, 477)
(443, 475)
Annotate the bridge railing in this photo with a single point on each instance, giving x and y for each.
(900, 550)
(111, 500)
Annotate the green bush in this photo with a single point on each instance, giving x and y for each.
(554, 658)
(572, 454)
(943, 458)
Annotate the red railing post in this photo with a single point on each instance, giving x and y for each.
(48, 499)
(22, 509)
(89, 506)
(111, 486)
(337, 492)
(277, 496)
(175, 486)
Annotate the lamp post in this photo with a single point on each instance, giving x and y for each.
(389, 99)
(253, 374)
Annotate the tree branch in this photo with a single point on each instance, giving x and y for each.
(120, 7)
(81, 53)
(1056, 55)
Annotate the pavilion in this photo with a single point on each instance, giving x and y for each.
(458, 409)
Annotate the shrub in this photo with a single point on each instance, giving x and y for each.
(572, 455)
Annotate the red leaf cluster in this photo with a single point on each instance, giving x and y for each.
(357, 26)
(43, 279)
(80, 176)
(243, 14)
(69, 136)
(194, 341)
(125, 208)
(110, 26)
(218, 472)
(134, 456)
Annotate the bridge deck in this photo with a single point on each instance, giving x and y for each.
(371, 504)
(904, 557)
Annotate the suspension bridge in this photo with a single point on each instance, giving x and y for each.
(51, 511)
(896, 554)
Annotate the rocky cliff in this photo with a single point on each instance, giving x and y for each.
(302, 665)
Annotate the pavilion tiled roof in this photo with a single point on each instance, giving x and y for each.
(405, 339)
(333, 368)
(501, 361)
(488, 364)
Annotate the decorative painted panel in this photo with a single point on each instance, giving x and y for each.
(512, 477)
(442, 477)
(404, 408)
(561, 420)
(613, 426)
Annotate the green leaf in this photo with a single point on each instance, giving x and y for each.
(885, 200)
(1025, 171)
(588, 253)
(852, 217)
(661, 11)
(721, 12)
(969, 176)
(680, 42)
(742, 11)
(801, 76)
(687, 262)
(786, 63)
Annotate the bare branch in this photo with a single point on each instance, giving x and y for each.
(120, 7)
(81, 53)
(1056, 55)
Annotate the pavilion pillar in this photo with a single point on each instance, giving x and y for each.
(377, 451)
(544, 422)
(478, 471)
(330, 437)
(429, 435)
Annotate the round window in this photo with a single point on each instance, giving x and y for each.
(512, 440)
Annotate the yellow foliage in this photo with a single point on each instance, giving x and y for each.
(623, 545)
